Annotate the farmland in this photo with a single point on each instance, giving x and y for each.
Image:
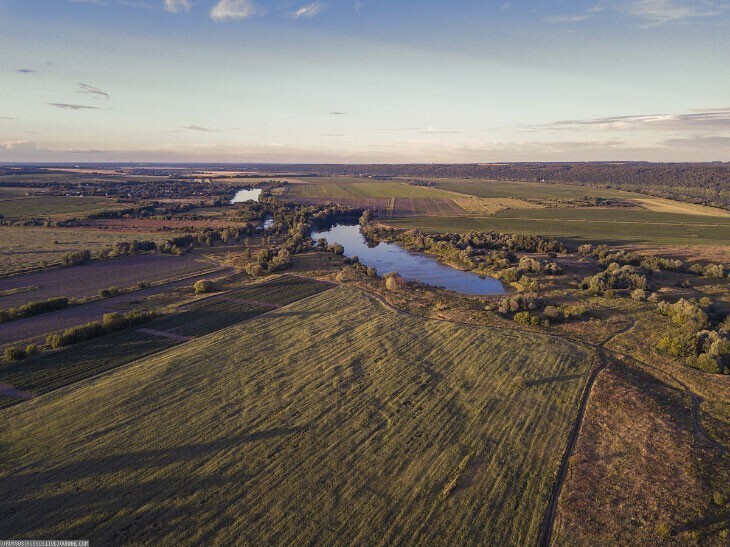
(363, 423)
(297, 397)
(615, 226)
(53, 206)
(87, 280)
(50, 371)
(28, 248)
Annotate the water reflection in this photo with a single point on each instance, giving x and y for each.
(247, 194)
(389, 257)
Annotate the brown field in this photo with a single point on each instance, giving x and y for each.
(87, 280)
(26, 248)
(35, 328)
(144, 224)
(639, 475)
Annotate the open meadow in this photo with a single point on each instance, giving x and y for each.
(332, 420)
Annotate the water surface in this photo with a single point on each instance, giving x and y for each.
(247, 194)
(389, 257)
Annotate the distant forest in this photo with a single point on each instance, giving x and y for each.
(703, 183)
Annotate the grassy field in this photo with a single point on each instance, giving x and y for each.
(26, 248)
(54, 206)
(333, 421)
(614, 226)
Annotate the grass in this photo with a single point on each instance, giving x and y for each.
(614, 226)
(332, 421)
(24, 248)
(53, 206)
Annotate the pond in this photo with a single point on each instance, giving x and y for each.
(247, 194)
(389, 257)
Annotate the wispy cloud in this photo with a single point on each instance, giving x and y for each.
(67, 106)
(567, 18)
(310, 10)
(339, 113)
(659, 12)
(95, 92)
(226, 10)
(718, 118)
(699, 141)
(25, 70)
(6, 118)
(176, 6)
(198, 128)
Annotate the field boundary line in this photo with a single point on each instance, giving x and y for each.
(165, 334)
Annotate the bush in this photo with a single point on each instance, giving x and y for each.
(32, 349)
(203, 286)
(527, 319)
(640, 295)
(111, 291)
(394, 282)
(14, 354)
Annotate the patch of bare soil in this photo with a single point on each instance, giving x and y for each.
(638, 475)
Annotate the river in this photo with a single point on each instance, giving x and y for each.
(389, 257)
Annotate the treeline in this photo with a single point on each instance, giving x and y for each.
(33, 308)
(110, 322)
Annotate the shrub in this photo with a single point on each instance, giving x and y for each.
(203, 286)
(640, 295)
(32, 349)
(677, 344)
(14, 354)
(526, 318)
(394, 282)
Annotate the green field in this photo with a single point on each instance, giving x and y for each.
(53, 206)
(361, 188)
(332, 421)
(527, 190)
(612, 226)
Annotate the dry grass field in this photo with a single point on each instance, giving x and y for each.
(331, 420)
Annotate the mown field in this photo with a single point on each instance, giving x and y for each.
(25, 248)
(612, 226)
(53, 206)
(332, 420)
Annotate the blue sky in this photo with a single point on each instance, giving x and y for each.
(364, 81)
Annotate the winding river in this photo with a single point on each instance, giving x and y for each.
(389, 257)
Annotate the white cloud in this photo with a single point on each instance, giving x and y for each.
(233, 9)
(176, 6)
(310, 10)
(658, 12)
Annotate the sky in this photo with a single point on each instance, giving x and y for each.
(371, 81)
